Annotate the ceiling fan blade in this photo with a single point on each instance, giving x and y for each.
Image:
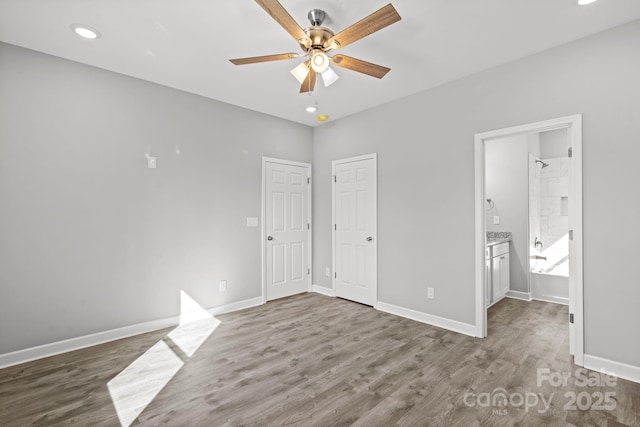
(282, 17)
(309, 83)
(360, 66)
(266, 58)
(369, 25)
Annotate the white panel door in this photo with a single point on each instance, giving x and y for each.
(286, 226)
(355, 213)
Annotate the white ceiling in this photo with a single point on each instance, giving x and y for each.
(186, 44)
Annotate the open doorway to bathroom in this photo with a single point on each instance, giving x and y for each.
(529, 222)
(548, 244)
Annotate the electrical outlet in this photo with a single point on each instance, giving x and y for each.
(223, 286)
(496, 220)
(430, 293)
(327, 272)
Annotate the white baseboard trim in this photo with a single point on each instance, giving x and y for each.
(235, 306)
(429, 319)
(554, 300)
(525, 296)
(322, 290)
(610, 367)
(59, 347)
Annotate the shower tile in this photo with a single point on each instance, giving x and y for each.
(556, 187)
(564, 206)
(564, 167)
(545, 207)
(546, 201)
(553, 170)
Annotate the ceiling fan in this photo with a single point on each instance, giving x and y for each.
(316, 41)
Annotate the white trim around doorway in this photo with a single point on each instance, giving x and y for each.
(574, 126)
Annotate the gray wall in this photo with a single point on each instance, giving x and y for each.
(553, 144)
(426, 180)
(90, 239)
(507, 184)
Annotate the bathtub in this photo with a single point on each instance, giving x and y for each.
(550, 288)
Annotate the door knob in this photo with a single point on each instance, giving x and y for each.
(269, 237)
(369, 239)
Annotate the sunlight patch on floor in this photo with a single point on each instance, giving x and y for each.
(191, 311)
(196, 324)
(133, 389)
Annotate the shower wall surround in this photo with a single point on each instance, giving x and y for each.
(554, 192)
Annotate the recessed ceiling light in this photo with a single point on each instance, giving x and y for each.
(311, 109)
(585, 2)
(323, 118)
(85, 31)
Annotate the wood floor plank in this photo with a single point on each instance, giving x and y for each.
(311, 360)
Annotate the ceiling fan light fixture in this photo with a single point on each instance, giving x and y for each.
(316, 40)
(300, 72)
(329, 77)
(319, 61)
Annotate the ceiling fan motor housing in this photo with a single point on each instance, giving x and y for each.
(317, 37)
(316, 17)
(317, 34)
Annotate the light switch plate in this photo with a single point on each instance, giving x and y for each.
(152, 162)
(496, 220)
(327, 272)
(252, 221)
(223, 286)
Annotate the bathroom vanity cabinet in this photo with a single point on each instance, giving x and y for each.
(496, 272)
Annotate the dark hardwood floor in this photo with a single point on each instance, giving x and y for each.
(311, 360)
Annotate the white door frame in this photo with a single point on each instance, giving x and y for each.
(373, 156)
(263, 233)
(573, 124)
